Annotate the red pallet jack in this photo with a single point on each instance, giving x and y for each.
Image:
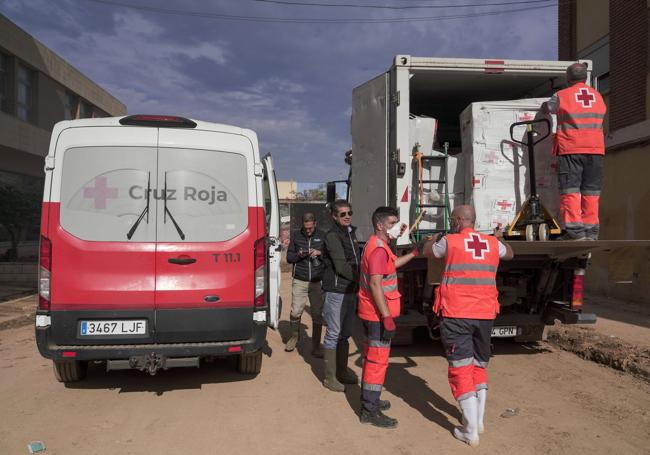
(533, 221)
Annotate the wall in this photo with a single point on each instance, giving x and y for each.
(592, 21)
(624, 214)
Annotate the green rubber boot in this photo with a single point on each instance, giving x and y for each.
(343, 373)
(330, 371)
(295, 335)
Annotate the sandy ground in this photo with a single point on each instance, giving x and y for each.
(566, 405)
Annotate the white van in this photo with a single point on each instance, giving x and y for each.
(159, 245)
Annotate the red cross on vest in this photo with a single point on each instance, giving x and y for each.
(101, 192)
(476, 246)
(584, 97)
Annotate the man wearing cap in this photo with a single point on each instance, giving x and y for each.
(580, 144)
(304, 252)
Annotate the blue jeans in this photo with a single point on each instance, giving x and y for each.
(339, 311)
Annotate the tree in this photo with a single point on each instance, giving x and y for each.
(312, 194)
(18, 210)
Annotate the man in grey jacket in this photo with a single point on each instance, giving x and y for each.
(340, 283)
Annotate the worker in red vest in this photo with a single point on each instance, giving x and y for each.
(379, 303)
(580, 144)
(467, 302)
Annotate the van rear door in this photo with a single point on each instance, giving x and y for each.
(272, 210)
(102, 277)
(206, 231)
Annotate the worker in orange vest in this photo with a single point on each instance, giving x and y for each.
(580, 144)
(467, 302)
(379, 304)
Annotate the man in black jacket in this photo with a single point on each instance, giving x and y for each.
(340, 283)
(304, 252)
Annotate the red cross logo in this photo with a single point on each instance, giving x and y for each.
(476, 246)
(585, 98)
(504, 205)
(101, 192)
(526, 116)
(476, 182)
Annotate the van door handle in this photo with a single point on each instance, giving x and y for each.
(211, 298)
(181, 261)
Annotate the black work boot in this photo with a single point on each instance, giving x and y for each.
(295, 335)
(316, 331)
(383, 405)
(377, 419)
(343, 373)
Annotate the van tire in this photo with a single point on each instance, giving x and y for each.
(69, 370)
(250, 362)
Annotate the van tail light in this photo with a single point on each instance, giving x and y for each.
(260, 271)
(44, 274)
(578, 291)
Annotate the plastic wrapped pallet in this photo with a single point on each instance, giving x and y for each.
(496, 168)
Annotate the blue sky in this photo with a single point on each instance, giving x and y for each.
(292, 83)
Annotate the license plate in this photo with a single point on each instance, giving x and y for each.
(118, 327)
(504, 332)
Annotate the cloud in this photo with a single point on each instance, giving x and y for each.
(290, 83)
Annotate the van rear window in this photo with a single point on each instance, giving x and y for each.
(194, 195)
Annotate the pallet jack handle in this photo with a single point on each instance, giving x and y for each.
(530, 130)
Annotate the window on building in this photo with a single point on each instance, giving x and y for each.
(598, 53)
(85, 110)
(4, 83)
(25, 97)
(71, 105)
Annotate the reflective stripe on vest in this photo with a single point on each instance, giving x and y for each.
(580, 121)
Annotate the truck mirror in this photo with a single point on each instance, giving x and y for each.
(331, 192)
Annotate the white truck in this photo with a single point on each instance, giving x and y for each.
(545, 280)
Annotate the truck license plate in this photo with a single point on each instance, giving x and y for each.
(504, 332)
(118, 327)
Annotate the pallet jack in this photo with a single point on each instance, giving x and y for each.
(533, 221)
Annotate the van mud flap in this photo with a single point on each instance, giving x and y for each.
(151, 363)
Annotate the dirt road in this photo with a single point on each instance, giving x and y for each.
(565, 405)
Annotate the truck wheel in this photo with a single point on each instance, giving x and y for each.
(69, 370)
(250, 362)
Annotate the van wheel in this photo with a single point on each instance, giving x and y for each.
(250, 362)
(70, 370)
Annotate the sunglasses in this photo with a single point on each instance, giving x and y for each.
(344, 214)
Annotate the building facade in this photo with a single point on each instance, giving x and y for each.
(37, 89)
(614, 35)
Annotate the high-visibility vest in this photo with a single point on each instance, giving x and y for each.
(580, 121)
(367, 309)
(468, 286)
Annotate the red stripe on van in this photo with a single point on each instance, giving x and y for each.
(122, 275)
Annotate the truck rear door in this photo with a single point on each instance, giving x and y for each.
(272, 210)
(205, 237)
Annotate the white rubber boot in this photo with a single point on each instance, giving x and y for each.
(481, 396)
(469, 431)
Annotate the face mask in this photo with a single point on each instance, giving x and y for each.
(394, 232)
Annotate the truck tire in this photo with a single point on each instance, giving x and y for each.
(250, 362)
(69, 370)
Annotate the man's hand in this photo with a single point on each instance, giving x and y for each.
(313, 253)
(498, 232)
(389, 328)
(302, 253)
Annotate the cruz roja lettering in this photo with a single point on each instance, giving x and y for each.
(190, 193)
